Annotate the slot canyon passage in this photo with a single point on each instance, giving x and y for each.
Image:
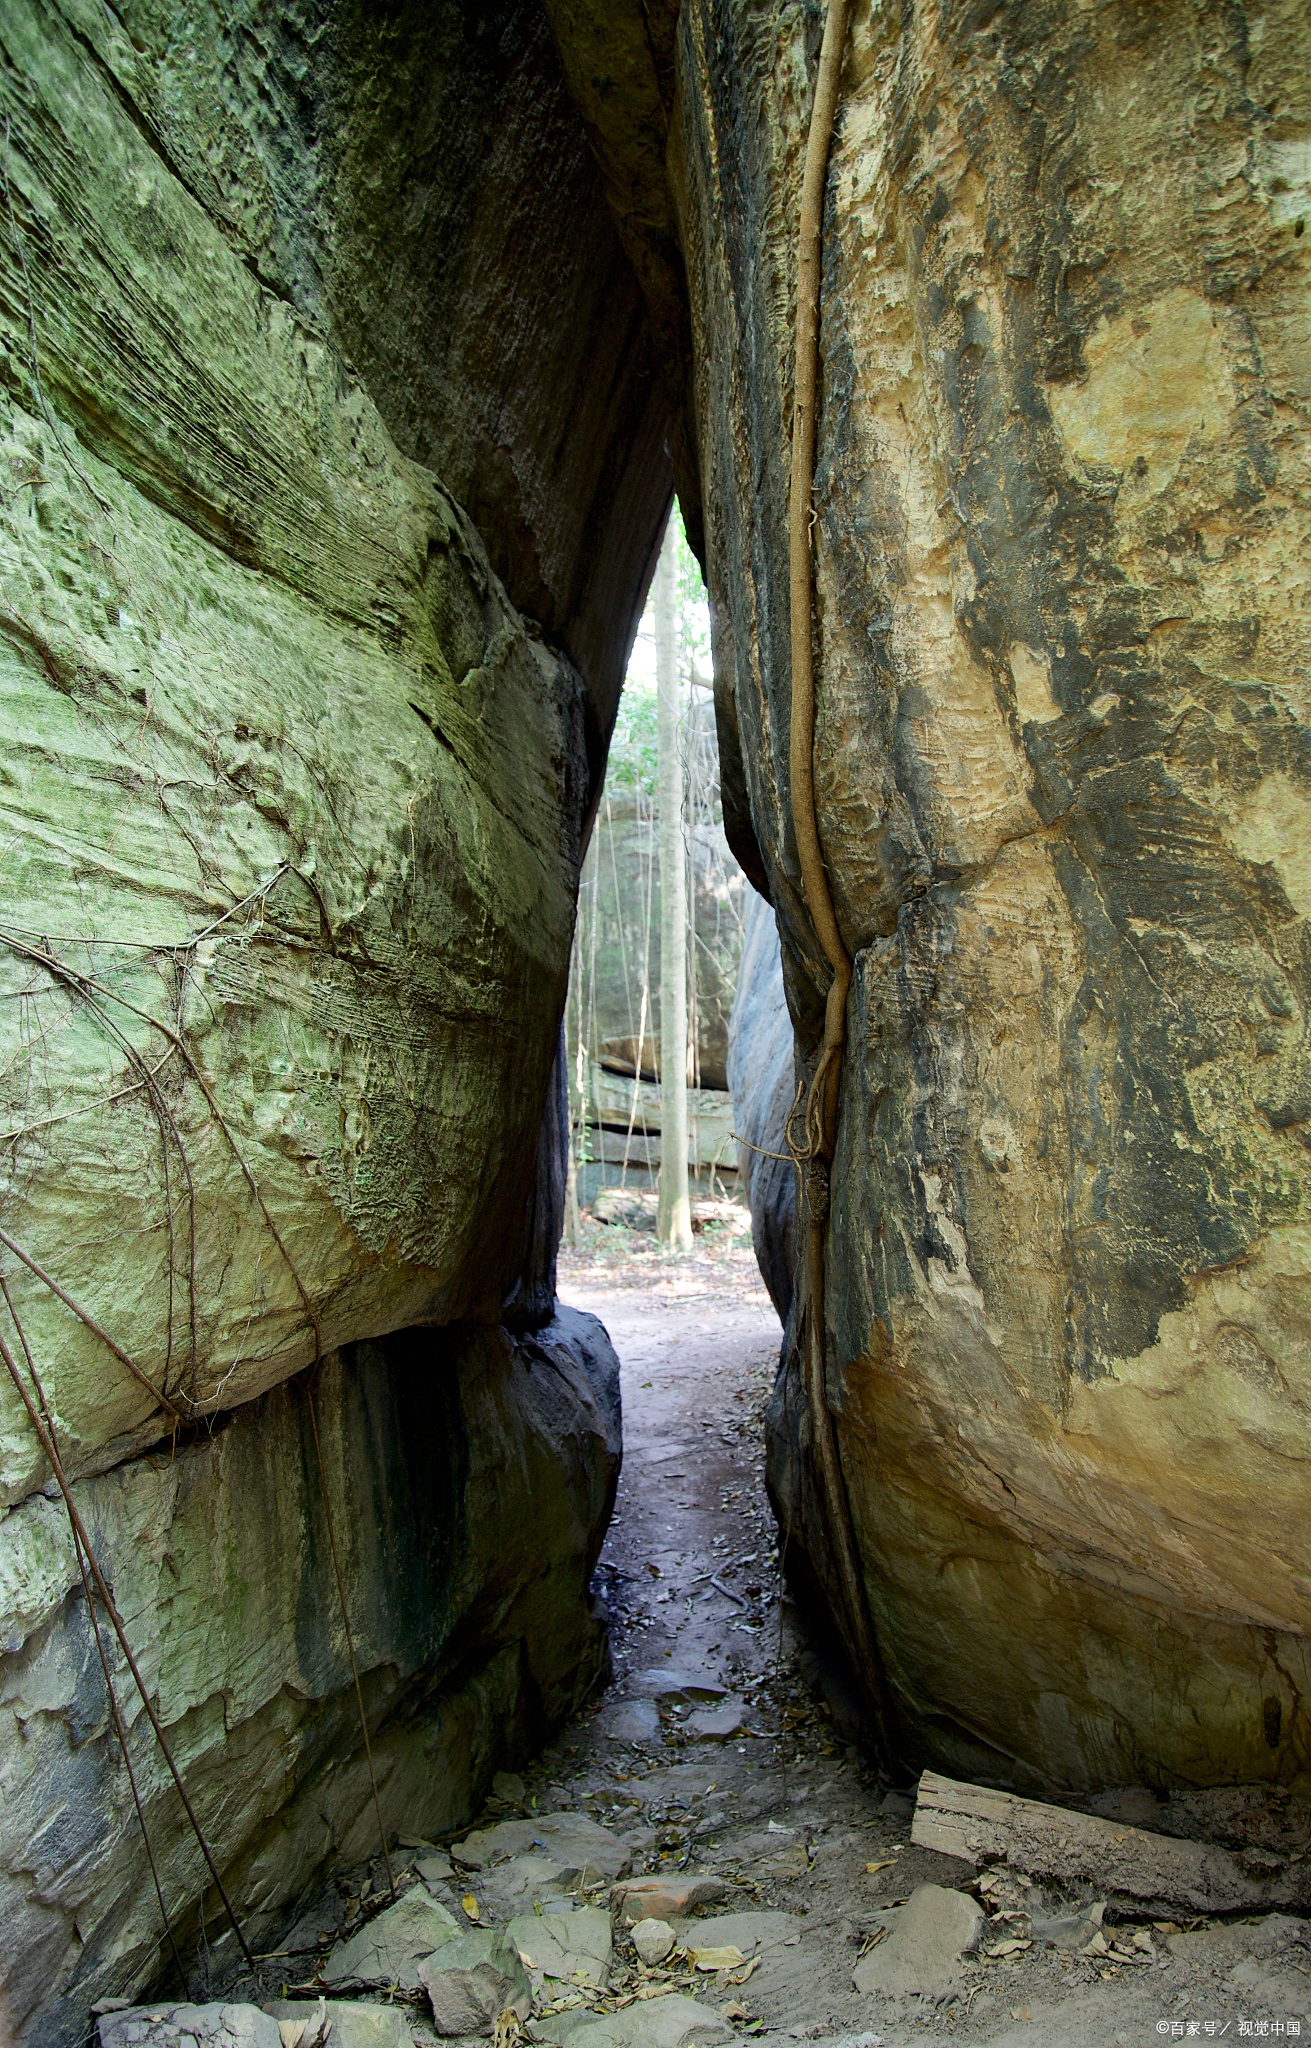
(351, 354)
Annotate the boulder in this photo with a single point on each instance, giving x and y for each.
(718, 1724)
(179, 2026)
(672, 1682)
(751, 1933)
(1062, 801)
(317, 610)
(673, 2022)
(636, 1721)
(666, 1898)
(561, 1945)
(390, 1949)
(922, 1954)
(472, 1980)
(352, 2024)
(470, 1477)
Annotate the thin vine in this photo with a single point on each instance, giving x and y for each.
(813, 1154)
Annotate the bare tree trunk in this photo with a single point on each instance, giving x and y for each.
(674, 1216)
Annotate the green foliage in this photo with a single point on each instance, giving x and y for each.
(632, 767)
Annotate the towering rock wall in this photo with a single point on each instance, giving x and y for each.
(331, 482)
(1063, 780)
(1063, 775)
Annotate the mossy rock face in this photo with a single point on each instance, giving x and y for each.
(1063, 774)
(332, 475)
(470, 1479)
(290, 782)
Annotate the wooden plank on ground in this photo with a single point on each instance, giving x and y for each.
(1124, 1865)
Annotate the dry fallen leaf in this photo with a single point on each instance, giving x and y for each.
(310, 2033)
(870, 1868)
(1008, 1948)
(727, 1958)
(470, 1905)
(740, 1976)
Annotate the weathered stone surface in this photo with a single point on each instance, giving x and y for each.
(562, 1944)
(1061, 771)
(751, 1933)
(922, 1953)
(666, 1898)
(563, 1841)
(390, 1949)
(480, 1470)
(472, 1980)
(354, 2024)
(178, 2026)
(762, 1076)
(635, 1721)
(718, 1724)
(257, 774)
(332, 486)
(669, 1682)
(674, 2022)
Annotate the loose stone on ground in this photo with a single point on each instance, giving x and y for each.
(923, 1951)
(389, 1950)
(472, 1980)
(351, 2024)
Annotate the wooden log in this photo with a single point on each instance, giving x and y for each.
(1126, 1866)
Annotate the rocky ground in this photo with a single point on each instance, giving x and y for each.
(702, 1854)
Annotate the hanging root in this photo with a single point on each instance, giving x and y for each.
(96, 995)
(814, 1154)
(80, 1537)
(84, 1572)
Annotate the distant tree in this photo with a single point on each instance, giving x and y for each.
(674, 1211)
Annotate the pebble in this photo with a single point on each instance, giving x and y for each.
(653, 1940)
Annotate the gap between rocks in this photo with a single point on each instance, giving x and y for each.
(703, 1854)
